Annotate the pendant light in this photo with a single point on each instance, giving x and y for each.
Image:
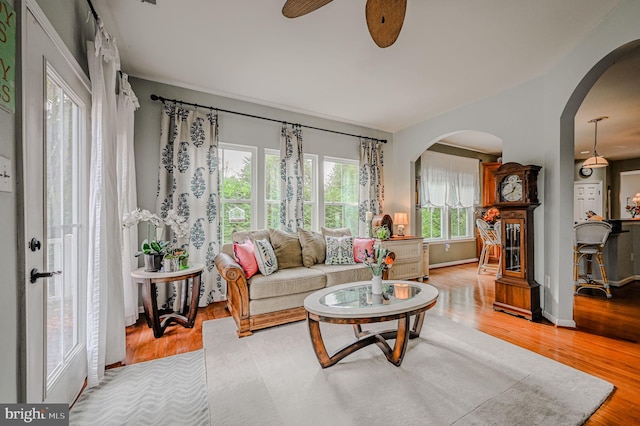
(596, 160)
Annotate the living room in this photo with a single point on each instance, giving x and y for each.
(536, 111)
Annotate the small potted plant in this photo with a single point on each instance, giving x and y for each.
(382, 233)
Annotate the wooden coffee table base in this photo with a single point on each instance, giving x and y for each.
(366, 338)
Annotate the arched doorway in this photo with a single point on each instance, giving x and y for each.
(604, 91)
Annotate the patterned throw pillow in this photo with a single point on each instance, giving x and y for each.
(359, 247)
(245, 256)
(266, 258)
(339, 251)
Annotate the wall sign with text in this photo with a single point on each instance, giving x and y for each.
(7, 56)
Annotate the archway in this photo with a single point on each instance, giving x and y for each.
(567, 126)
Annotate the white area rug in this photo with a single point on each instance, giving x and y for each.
(451, 375)
(165, 391)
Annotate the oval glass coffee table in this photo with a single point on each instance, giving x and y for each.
(354, 304)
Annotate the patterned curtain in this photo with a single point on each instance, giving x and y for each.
(291, 178)
(371, 181)
(188, 183)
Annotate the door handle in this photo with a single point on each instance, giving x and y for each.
(35, 274)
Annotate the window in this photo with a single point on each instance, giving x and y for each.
(341, 194)
(432, 223)
(272, 190)
(237, 198)
(450, 189)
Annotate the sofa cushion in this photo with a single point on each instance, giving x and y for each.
(313, 247)
(335, 232)
(342, 274)
(274, 304)
(260, 234)
(287, 249)
(266, 258)
(285, 282)
(246, 258)
(362, 246)
(339, 250)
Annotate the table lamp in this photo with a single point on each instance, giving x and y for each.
(401, 220)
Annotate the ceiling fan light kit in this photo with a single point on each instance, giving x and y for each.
(384, 17)
(596, 161)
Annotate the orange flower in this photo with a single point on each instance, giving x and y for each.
(388, 260)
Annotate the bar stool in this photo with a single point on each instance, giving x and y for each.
(490, 239)
(589, 239)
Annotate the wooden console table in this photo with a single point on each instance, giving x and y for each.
(159, 320)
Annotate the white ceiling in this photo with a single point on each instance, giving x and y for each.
(448, 54)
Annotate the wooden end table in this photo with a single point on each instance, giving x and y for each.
(159, 320)
(354, 304)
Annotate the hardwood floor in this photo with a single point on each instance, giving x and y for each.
(604, 344)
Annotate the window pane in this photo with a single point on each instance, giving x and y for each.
(236, 174)
(459, 222)
(308, 179)
(273, 215)
(333, 216)
(63, 118)
(332, 182)
(431, 222)
(341, 195)
(307, 216)
(228, 226)
(272, 177)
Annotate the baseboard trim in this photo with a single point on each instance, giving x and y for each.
(558, 322)
(624, 281)
(452, 263)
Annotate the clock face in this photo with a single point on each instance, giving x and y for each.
(585, 171)
(511, 188)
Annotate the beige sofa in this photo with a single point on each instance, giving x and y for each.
(265, 301)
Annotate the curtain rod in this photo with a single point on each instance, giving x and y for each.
(93, 10)
(163, 100)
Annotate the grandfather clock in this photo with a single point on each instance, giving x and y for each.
(516, 291)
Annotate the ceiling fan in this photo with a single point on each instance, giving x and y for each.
(384, 17)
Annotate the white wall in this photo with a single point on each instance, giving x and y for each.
(528, 118)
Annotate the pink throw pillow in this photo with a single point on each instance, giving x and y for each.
(246, 257)
(359, 247)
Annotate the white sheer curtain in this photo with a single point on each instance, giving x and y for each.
(449, 180)
(106, 342)
(127, 194)
(291, 178)
(371, 178)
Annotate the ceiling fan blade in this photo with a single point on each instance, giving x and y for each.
(385, 19)
(296, 8)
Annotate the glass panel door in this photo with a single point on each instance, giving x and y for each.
(63, 128)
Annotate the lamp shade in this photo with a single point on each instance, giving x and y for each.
(595, 162)
(400, 219)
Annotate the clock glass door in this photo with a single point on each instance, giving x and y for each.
(512, 255)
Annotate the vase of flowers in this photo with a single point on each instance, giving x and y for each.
(153, 248)
(491, 216)
(379, 260)
(634, 209)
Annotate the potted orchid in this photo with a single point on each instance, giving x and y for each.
(153, 248)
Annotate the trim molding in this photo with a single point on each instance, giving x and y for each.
(624, 281)
(38, 14)
(452, 263)
(559, 322)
